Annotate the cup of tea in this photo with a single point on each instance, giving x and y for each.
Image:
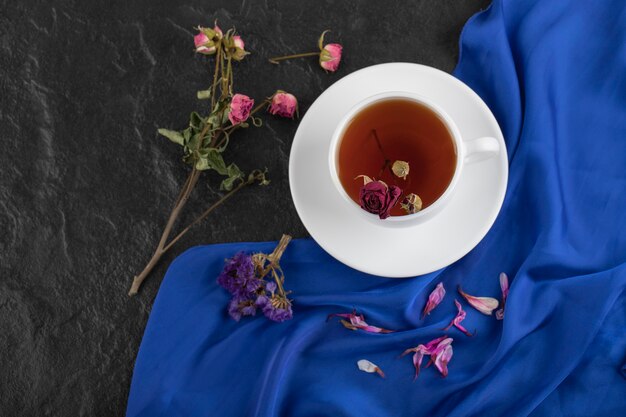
(401, 126)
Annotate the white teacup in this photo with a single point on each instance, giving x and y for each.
(468, 151)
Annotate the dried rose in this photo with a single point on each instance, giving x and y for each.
(456, 321)
(240, 51)
(440, 351)
(205, 40)
(485, 305)
(367, 366)
(240, 107)
(411, 203)
(376, 197)
(329, 55)
(283, 104)
(357, 322)
(504, 286)
(434, 299)
(400, 169)
(203, 44)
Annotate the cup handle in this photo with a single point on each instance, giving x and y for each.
(477, 150)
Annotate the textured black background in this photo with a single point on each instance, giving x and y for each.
(85, 183)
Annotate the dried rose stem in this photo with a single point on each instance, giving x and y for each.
(163, 247)
(275, 59)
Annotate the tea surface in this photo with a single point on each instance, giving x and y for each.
(397, 129)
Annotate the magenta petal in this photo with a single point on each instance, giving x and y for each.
(417, 362)
(442, 359)
(504, 286)
(434, 299)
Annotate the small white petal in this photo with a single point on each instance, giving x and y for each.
(366, 366)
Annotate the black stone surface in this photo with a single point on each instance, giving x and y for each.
(86, 184)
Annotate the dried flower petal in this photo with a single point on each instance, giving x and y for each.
(439, 349)
(400, 169)
(357, 322)
(442, 358)
(485, 305)
(366, 179)
(367, 366)
(434, 299)
(504, 286)
(456, 321)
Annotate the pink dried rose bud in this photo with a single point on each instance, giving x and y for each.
(330, 55)
(456, 321)
(504, 286)
(434, 299)
(240, 51)
(485, 305)
(283, 104)
(205, 40)
(240, 108)
(357, 322)
(204, 45)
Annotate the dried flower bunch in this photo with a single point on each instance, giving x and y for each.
(257, 282)
(207, 135)
(377, 197)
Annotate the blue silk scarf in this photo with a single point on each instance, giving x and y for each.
(554, 74)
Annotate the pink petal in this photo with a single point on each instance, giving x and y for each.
(434, 299)
(417, 362)
(456, 321)
(238, 42)
(200, 39)
(430, 346)
(357, 321)
(442, 359)
(485, 305)
(504, 285)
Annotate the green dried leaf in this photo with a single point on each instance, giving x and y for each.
(234, 175)
(203, 94)
(195, 121)
(173, 135)
(202, 164)
(216, 162)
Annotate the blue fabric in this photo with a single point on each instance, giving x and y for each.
(554, 74)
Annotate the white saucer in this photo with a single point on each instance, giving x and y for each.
(416, 249)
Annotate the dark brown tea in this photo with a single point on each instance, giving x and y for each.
(397, 129)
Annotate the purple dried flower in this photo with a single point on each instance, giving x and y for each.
(278, 309)
(241, 306)
(238, 276)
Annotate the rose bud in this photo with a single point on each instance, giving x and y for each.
(240, 107)
(400, 169)
(330, 55)
(204, 45)
(376, 197)
(283, 104)
(240, 51)
(411, 203)
(205, 40)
